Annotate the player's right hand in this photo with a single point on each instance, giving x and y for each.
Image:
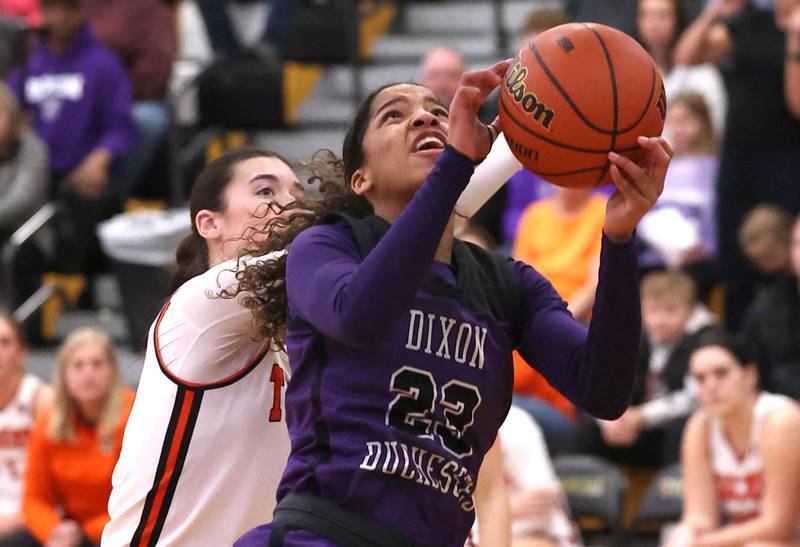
(467, 133)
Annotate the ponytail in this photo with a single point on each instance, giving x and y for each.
(191, 259)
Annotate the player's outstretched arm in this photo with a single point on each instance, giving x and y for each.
(597, 370)
(355, 301)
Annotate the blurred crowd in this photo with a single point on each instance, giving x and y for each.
(83, 121)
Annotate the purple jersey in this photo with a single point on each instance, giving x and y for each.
(402, 366)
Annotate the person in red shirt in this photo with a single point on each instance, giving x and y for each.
(74, 446)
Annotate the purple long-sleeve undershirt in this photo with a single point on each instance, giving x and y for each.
(356, 301)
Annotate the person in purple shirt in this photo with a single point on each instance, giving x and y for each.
(400, 337)
(80, 100)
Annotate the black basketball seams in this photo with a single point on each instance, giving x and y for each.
(614, 94)
(509, 112)
(646, 105)
(578, 111)
(564, 93)
(575, 172)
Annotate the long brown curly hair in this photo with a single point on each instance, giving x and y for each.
(262, 284)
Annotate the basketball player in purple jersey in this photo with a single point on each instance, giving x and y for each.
(400, 337)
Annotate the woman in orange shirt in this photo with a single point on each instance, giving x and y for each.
(74, 445)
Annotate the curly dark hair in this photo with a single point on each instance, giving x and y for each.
(262, 284)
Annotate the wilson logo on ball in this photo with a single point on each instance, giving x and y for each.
(661, 104)
(515, 83)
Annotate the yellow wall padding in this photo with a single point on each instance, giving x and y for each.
(374, 25)
(72, 286)
(299, 80)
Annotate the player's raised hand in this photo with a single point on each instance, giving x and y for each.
(638, 187)
(467, 133)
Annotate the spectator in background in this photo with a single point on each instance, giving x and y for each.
(23, 189)
(688, 201)
(23, 167)
(441, 70)
(25, 9)
(765, 237)
(538, 507)
(659, 23)
(620, 14)
(740, 456)
(143, 34)
(22, 396)
(75, 445)
(772, 327)
(223, 36)
(649, 432)
(80, 99)
(567, 253)
(760, 159)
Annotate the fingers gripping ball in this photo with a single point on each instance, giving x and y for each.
(576, 92)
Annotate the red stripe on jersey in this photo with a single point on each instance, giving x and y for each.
(239, 374)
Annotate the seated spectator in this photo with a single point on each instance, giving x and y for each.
(740, 456)
(143, 35)
(80, 99)
(441, 70)
(23, 188)
(537, 505)
(223, 37)
(22, 396)
(620, 14)
(75, 444)
(772, 328)
(756, 50)
(23, 9)
(566, 252)
(659, 23)
(766, 237)
(680, 231)
(554, 413)
(649, 432)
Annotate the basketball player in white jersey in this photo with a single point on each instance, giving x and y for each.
(21, 397)
(741, 456)
(206, 442)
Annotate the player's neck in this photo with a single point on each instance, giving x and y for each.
(9, 387)
(738, 422)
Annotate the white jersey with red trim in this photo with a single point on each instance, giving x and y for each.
(206, 442)
(16, 421)
(740, 481)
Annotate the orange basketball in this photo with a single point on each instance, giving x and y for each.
(575, 93)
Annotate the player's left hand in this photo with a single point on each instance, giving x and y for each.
(467, 133)
(638, 187)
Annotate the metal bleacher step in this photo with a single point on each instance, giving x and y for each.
(412, 47)
(299, 144)
(468, 16)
